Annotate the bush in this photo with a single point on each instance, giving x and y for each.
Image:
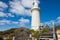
(1, 38)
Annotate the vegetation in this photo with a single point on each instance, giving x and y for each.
(24, 31)
(57, 27)
(1, 32)
(35, 34)
(45, 31)
(1, 38)
(8, 33)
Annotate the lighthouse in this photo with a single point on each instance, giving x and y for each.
(35, 24)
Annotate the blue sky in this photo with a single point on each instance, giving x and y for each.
(16, 13)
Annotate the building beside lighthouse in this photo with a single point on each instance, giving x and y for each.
(35, 24)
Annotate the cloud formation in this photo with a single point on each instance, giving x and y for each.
(27, 3)
(2, 14)
(24, 20)
(10, 15)
(21, 22)
(3, 6)
(19, 7)
(58, 19)
(4, 21)
(50, 23)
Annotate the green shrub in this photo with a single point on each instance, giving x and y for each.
(1, 38)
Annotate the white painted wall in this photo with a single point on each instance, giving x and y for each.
(58, 34)
(35, 19)
(51, 39)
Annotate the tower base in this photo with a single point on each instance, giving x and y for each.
(35, 28)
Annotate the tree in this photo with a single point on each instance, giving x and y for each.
(1, 38)
(1, 32)
(32, 31)
(36, 34)
(44, 31)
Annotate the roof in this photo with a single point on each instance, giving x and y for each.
(48, 35)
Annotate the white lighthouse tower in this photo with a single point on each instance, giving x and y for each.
(35, 24)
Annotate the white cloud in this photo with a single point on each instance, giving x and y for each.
(18, 7)
(1, 9)
(58, 18)
(50, 23)
(10, 15)
(22, 24)
(4, 21)
(47, 23)
(9, 22)
(3, 6)
(22, 20)
(27, 12)
(41, 24)
(2, 14)
(15, 22)
(27, 3)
